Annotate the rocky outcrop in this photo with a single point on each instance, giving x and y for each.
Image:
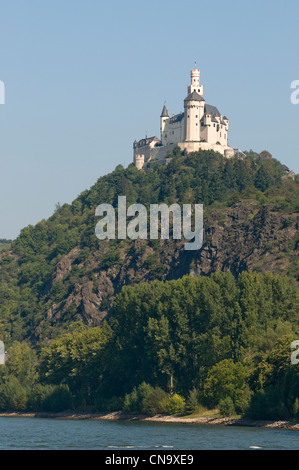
(246, 237)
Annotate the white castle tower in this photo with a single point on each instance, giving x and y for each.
(200, 126)
(195, 84)
(194, 106)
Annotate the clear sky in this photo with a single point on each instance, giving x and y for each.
(85, 78)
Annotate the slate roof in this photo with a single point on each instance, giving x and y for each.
(194, 96)
(164, 112)
(176, 118)
(212, 110)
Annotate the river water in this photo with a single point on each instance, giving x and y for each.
(61, 434)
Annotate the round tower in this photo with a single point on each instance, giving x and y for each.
(163, 118)
(195, 86)
(194, 106)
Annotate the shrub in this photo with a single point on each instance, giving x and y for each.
(175, 404)
(59, 399)
(192, 401)
(131, 401)
(296, 409)
(146, 399)
(37, 395)
(154, 402)
(226, 407)
(13, 395)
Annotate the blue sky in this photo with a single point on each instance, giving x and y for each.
(84, 79)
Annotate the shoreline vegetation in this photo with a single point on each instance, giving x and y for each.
(141, 327)
(161, 418)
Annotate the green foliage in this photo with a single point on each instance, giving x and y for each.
(226, 407)
(175, 404)
(146, 399)
(55, 398)
(13, 395)
(27, 270)
(192, 402)
(75, 360)
(275, 382)
(220, 341)
(226, 380)
(208, 338)
(183, 328)
(22, 363)
(155, 402)
(58, 398)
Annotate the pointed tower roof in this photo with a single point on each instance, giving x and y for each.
(164, 112)
(194, 96)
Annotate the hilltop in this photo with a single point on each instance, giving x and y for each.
(4, 243)
(58, 272)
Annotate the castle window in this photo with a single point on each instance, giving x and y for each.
(196, 116)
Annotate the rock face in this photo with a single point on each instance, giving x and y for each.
(246, 237)
(250, 238)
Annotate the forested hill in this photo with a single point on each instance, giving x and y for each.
(58, 272)
(4, 243)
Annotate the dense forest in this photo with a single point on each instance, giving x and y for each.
(214, 342)
(146, 327)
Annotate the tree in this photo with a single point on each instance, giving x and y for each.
(75, 360)
(262, 179)
(13, 395)
(226, 380)
(22, 363)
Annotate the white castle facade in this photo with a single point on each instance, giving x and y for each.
(200, 126)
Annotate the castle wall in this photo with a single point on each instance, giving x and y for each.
(190, 147)
(173, 132)
(146, 154)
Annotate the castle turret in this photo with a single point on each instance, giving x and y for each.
(194, 106)
(163, 118)
(195, 86)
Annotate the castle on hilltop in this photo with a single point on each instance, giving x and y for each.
(200, 126)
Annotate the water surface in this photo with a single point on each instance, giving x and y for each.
(61, 434)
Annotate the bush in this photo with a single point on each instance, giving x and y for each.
(59, 399)
(13, 396)
(175, 404)
(155, 402)
(38, 395)
(146, 399)
(268, 404)
(192, 401)
(131, 401)
(226, 407)
(296, 409)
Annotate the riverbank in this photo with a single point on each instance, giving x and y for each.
(116, 415)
